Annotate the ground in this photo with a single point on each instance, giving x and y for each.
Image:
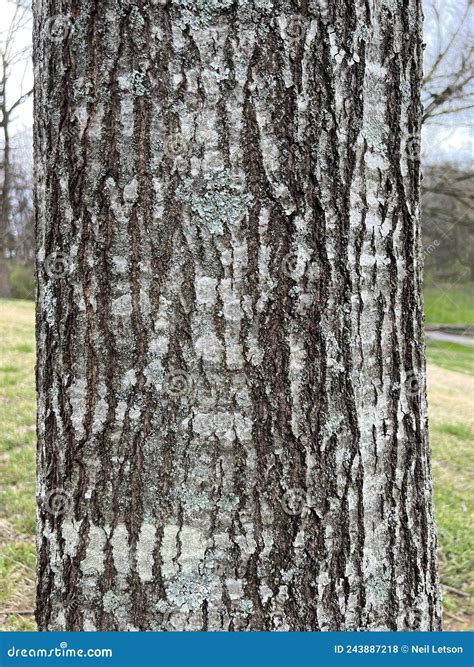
(447, 303)
(450, 388)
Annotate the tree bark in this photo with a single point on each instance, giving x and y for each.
(231, 386)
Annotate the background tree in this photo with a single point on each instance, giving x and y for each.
(231, 411)
(20, 241)
(447, 97)
(448, 231)
(13, 56)
(449, 62)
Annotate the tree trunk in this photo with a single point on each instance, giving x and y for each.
(232, 413)
(5, 199)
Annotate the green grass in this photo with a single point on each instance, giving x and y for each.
(17, 559)
(453, 456)
(451, 356)
(450, 390)
(448, 304)
(459, 430)
(17, 463)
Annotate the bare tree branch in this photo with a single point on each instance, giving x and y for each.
(20, 100)
(448, 84)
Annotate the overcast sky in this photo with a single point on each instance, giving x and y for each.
(452, 141)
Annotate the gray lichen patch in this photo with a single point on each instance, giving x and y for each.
(145, 550)
(199, 12)
(216, 199)
(204, 6)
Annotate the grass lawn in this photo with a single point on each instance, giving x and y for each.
(450, 396)
(451, 356)
(451, 387)
(449, 304)
(17, 463)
